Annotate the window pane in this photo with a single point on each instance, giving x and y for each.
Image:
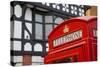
(75, 8)
(83, 10)
(80, 9)
(48, 19)
(16, 45)
(38, 31)
(58, 20)
(72, 7)
(38, 17)
(72, 11)
(67, 10)
(28, 15)
(55, 26)
(17, 29)
(75, 12)
(27, 47)
(18, 11)
(38, 47)
(48, 29)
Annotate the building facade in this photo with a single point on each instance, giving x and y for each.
(31, 23)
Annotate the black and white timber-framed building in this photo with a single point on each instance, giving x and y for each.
(31, 23)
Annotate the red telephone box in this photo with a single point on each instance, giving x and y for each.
(74, 40)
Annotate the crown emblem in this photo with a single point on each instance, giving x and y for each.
(66, 29)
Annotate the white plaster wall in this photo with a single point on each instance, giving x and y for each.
(26, 34)
(29, 26)
(18, 58)
(18, 64)
(37, 59)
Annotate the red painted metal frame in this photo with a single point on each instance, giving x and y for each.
(85, 48)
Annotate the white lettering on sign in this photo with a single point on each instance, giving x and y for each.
(68, 38)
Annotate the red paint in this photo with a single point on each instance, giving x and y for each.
(81, 49)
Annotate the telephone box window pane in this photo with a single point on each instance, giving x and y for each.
(75, 58)
(38, 31)
(48, 29)
(75, 12)
(54, 43)
(48, 19)
(38, 18)
(94, 32)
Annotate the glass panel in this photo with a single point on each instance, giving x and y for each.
(67, 5)
(58, 20)
(64, 60)
(28, 15)
(27, 47)
(63, 9)
(55, 26)
(37, 47)
(16, 45)
(83, 10)
(38, 18)
(58, 7)
(67, 10)
(75, 8)
(18, 11)
(48, 29)
(80, 9)
(54, 5)
(47, 47)
(38, 31)
(72, 7)
(72, 11)
(80, 14)
(75, 12)
(94, 32)
(48, 19)
(17, 29)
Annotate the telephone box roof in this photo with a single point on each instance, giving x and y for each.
(84, 19)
